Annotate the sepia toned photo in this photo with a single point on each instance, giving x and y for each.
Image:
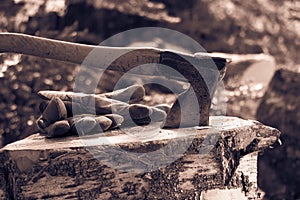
(150, 99)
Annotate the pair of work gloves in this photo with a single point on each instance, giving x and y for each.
(70, 113)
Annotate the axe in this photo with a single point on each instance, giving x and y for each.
(202, 70)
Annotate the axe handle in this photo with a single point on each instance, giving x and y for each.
(121, 59)
(55, 49)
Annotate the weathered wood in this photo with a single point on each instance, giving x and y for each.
(121, 59)
(243, 185)
(39, 168)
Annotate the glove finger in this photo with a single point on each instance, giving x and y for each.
(134, 111)
(54, 111)
(116, 119)
(82, 125)
(139, 111)
(104, 122)
(72, 120)
(57, 129)
(139, 122)
(49, 94)
(157, 115)
(133, 93)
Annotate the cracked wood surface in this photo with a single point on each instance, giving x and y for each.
(40, 168)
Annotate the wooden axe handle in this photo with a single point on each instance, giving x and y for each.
(53, 49)
(124, 58)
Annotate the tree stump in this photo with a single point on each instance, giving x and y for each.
(216, 161)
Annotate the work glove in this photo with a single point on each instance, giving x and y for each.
(107, 111)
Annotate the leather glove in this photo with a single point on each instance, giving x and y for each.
(106, 110)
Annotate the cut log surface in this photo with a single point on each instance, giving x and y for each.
(129, 164)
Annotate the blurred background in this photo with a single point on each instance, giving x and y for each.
(261, 36)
